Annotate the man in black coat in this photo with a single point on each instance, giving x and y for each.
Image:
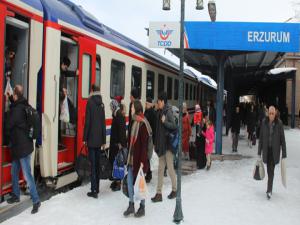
(94, 136)
(150, 115)
(235, 128)
(21, 146)
(271, 142)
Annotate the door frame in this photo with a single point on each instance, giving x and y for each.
(86, 46)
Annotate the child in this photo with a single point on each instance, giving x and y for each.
(209, 135)
(186, 132)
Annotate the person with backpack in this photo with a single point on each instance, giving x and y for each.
(117, 137)
(164, 126)
(21, 146)
(94, 136)
(137, 156)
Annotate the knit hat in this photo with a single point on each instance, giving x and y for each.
(119, 99)
(114, 105)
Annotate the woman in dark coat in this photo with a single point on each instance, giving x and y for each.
(137, 156)
(117, 137)
(251, 121)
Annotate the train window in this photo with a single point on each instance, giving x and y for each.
(170, 87)
(161, 83)
(194, 92)
(176, 89)
(117, 79)
(191, 92)
(186, 91)
(98, 71)
(136, 79)
(86, 75)
(150, 84)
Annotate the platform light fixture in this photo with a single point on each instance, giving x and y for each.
(166, 4)
(199, 5)
(212, 10)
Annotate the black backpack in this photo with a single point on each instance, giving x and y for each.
(33, 122)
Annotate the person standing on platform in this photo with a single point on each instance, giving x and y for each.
(186, 132)
(235, 128)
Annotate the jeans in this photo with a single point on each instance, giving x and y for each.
(130, 179)
(94, 156)
(15, 170)
(235, 140)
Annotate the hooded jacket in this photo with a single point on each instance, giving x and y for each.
(21, 144)
(162, 143)
(95, 128)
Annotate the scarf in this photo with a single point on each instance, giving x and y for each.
(138, 120)
(114, 105)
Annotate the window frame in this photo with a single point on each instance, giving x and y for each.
(111, 76)
(98, 60)
(158, 87)
(186, 91)
(133, 67)
(85, 95)
(150, 74)
(176, 90)
(170, 89)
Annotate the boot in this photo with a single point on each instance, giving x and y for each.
(129, 210)
(92, 194)
(13, 199)
(117, 187)
(140, 212)
(35, 207)
(157, 198)
(172, 195)
(269, 195)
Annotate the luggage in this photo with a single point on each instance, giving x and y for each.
(259, 170)
(125, 187)
(121, 157)
(105, 166)
(82, 164)
(33, 122)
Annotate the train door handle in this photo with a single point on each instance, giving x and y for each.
(55, 99)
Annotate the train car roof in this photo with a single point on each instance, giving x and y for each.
(36, 4)
(69, 12)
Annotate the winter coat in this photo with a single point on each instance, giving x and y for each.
(278, 140)
(95, 128)
(186, 132)
(162, 143)
(197, 118)
(117, 135)
(209, 135)
(21, 144)
(251, 122)
(140, 149)
(236, 123)
(150, 114)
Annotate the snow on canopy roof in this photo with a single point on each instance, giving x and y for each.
(282, 70)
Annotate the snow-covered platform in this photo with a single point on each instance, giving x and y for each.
(225, 195)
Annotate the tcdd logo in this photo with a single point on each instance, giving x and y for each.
(164, 34)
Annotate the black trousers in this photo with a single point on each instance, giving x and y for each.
(270, 170)
(94, 156)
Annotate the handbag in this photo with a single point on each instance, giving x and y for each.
(118, 171)
(65, 113)
(105, 166)
(125, 187)
(174, 141)
(82, 164)
(140, 186)
(259, 170)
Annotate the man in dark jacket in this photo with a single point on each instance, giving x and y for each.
(235, 128)
(150, 115)
(94, 135)
(271, 141)
(251, 122)
(21, 148)
(165, 124)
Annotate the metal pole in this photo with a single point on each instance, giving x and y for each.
(178, 215)
(220, 93)
(293, 108)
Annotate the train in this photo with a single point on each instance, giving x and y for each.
(43, 32)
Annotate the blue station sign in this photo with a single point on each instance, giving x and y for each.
(243, 36)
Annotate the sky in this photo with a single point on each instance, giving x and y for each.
(130, 17)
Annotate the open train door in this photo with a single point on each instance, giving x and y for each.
(2, 33)
(87, 68)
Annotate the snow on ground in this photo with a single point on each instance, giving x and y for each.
(227, 194)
